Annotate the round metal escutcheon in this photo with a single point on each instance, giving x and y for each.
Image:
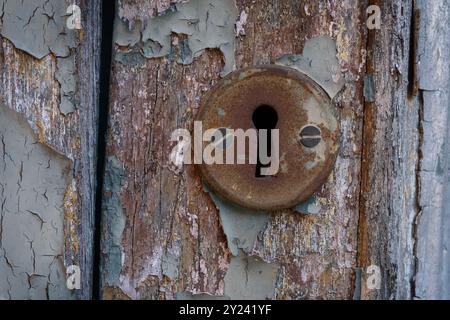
(279, 98)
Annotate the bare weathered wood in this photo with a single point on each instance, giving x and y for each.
(403, 226)
(88, 95)
(433, 223)
(388, 185)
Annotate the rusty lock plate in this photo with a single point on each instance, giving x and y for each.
(308, 135)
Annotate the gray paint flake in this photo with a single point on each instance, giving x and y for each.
(124, 35)
(319, 62)
(33, 181)
(169, 265)
(369, 88)
(207, 24)
(249, 277)
(241, 225)
(65, 75)
(38, 27)
(113, 222)
(310, 206)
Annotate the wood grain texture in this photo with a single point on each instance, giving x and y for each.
(388, 185)
(433, 223)
(403, 225)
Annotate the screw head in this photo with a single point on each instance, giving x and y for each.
(310, 136)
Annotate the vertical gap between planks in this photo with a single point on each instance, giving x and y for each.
(107, 21)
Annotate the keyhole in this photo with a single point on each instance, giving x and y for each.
(264, 117)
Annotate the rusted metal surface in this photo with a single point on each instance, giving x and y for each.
(298, 101)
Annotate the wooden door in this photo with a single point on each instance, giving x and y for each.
(377, 229)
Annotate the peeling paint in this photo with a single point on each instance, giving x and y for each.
(369, 88)
(208, 24)
(170, 262)
(308, 249)
(124, 35)
(311, 205)
(250, 278)
(33, 182)
(113, 223)
(241, 225)
(65, 75)
(38, 27)
(128, 10)
(131, 58)
(319, 62)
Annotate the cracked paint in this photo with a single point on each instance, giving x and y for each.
(208, 24)
(248, 276)
(167, 209)
(66, 77)
(319, 62)
(39, 28)
(33, 181)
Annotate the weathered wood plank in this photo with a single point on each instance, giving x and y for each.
(432, 235)
(48, 75)
(403, 225)
(163, 236)
(388, 185)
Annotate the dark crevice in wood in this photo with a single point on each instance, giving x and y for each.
(108, 13)
(418, 192)
(413, 91)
